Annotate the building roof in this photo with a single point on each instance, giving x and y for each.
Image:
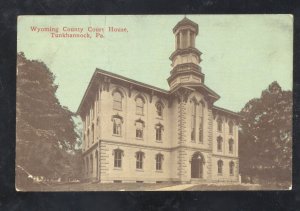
(100, 72)
(186, 22)
(223, 110)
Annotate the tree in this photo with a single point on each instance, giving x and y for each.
(45, 131)
(266, 135)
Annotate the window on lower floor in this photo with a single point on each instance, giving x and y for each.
(159, 158)
(231, 168)
(139, 159)
(91, 163)
(220, 166)
(118, 158)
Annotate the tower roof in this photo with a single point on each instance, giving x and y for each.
(186, 22)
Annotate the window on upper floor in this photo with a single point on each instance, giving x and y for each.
(230, 145)
(159, 109)
(139, 159)
(231, 168)
(159, 158)
(117, 125)
(117, 100)
(219, 122)
(139, 128)
(139, 106)
(118, 153)
(220, 166)
(219, 143)
(158, 129)
(230, 125)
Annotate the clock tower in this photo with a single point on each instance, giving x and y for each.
(186, 58)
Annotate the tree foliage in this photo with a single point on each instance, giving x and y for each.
(265, 147)
(45, 131)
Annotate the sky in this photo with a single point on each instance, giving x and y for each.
(241, 54)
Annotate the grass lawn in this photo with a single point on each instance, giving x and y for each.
(99, 187)
(236, 187)
(152, 187)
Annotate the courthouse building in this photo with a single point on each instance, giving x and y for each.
(135, 132)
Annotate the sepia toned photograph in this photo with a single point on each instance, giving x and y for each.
(154, 103)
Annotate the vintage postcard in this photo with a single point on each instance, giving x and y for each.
(154, 103)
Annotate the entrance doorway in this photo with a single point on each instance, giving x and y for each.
(197, 165)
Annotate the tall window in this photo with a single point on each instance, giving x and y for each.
(231, 168)
(159, 109)
(178, 41)
(158, 129)
(84, 141)
(192, 39)
(230, 143)
(117, 126)
(220, 166)
(201, 123)
(230, 124)
(139, 160)
(139, 106)
(87, 165)
(92, 133)
(118, 158)
(159, 158)
(219, 121)
(193, 123)
(184, 39)
(117, 101)
(88, 137)
(219, 143)
(139, 128)
(92, 163)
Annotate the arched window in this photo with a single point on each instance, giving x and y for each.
(118, 153)
(230, 143)
(193, 122)
(219, 122)
(159, 109)
(230, 124)
(117, 125)
(139, 159)
(219, 143)
(139, 106)
(159, 128)
(220, 166)
(159, 158)
(91, 163)
(117, 100)
(231, 168)
(201, 123)
(139, 128)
